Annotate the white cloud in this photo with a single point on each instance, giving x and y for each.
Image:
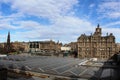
(112, 24)
(92, 5)
(65, 29)
(50, 9)
(114, 15)
(6, 24)
(65, 26)
(110, 9)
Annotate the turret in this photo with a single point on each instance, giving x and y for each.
(98, 31)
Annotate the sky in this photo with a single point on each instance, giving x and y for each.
(57, 20)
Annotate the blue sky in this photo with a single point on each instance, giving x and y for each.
(63, 20)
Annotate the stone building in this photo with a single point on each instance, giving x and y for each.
(118, 47)
(20, 46)
(96, 45)
(44, 46)
(73, 46)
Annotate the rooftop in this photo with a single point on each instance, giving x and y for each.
(59, 66)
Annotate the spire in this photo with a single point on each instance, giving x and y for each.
(98, 26)
(8, 45)
(8, 38)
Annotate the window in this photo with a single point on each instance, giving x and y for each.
(30, 45)
(87, 40)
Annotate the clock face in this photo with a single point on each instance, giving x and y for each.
(98, 30)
